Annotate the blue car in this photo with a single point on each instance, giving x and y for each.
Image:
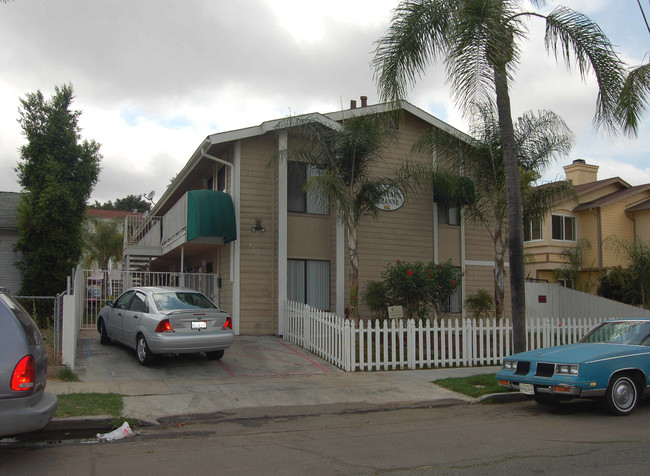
(611, 362)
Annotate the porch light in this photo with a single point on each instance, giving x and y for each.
(258, 227)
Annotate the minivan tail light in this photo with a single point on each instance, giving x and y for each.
(227, 324)
(164, 326)
(24, 375)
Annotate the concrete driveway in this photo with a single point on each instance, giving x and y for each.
(249, 356)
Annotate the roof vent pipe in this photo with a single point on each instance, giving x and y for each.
(364, 101)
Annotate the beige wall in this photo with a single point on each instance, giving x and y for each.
(257, 250)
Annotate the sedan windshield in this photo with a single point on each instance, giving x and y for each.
(172, 301)
(621, 332)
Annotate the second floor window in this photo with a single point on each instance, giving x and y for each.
(564, 227)
(298, 200)
(533, 230)
(448, 213)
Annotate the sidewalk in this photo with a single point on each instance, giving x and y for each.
(261, 374)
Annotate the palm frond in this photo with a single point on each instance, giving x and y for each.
(634, 98)
(416, 37)
(582, 43)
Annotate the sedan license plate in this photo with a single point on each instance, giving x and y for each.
(199, 325)
(526, 389)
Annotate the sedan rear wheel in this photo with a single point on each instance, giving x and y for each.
(622, 395)
(216, 355)
(145, 357)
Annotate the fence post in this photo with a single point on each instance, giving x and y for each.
(410, 339)
(306, 312)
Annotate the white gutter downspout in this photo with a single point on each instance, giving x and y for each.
(234, 246)
(204, 147)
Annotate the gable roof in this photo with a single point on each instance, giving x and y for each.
(613, 197)
(598, 184)
(639, 207)
(8, 203)
(329, 120)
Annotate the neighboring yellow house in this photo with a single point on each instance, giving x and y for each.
(236, 214)
(606, 211)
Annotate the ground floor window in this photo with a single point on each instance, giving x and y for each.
(308, 281)
(454, 302)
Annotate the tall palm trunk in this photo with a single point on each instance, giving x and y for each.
(354, 268)
(499, 270)
(515, 209)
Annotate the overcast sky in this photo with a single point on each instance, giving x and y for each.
(153, 78)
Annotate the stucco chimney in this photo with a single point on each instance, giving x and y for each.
(580, 172)
(353, 104)
(364, 101)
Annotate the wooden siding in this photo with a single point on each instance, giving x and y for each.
(257, 250)
(9, 274)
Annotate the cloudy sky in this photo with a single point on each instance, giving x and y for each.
(153, 78)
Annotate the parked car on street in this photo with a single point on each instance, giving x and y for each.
(166, 320)
(24, 404)
(611, 362)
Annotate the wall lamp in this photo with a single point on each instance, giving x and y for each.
(258, 227)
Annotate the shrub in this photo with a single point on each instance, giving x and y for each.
(418, 287)
(375, 298)
(480, 304)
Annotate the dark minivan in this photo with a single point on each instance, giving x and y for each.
(24, 404)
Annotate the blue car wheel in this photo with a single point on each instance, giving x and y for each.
(622, 395)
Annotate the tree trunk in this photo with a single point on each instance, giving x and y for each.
(515, 210)
(499, 270)
(354, 269)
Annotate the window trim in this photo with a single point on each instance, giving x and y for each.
(306, 285)
(444, 205)
(529, 224)
(563, 231)
(309, 171)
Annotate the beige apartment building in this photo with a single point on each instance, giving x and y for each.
(236, 212)
(606, 211)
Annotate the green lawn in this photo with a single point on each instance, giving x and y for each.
(474, 386)
(89, 404)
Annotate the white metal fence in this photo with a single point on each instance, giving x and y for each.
(392, 344)
(94, 287)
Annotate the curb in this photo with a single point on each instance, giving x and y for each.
(504, 397)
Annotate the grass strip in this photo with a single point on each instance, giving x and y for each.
(89, 404)
(473, 386)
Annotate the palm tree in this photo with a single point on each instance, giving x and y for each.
(573, 265)
(633, 101)
(346, 158)
(540, 138)
(102, 243)
(479, 42)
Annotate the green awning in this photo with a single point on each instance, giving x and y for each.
(210, 214)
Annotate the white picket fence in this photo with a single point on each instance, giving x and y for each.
(392, 344)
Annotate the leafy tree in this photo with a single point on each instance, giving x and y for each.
(539, 137)
(479, 42)
(346, 158)
(618, 285)
(127, 204)
(57, 173)
(102, 242)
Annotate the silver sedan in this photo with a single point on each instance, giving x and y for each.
(166, 320)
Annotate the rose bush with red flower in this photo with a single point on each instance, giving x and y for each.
(417, 287)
